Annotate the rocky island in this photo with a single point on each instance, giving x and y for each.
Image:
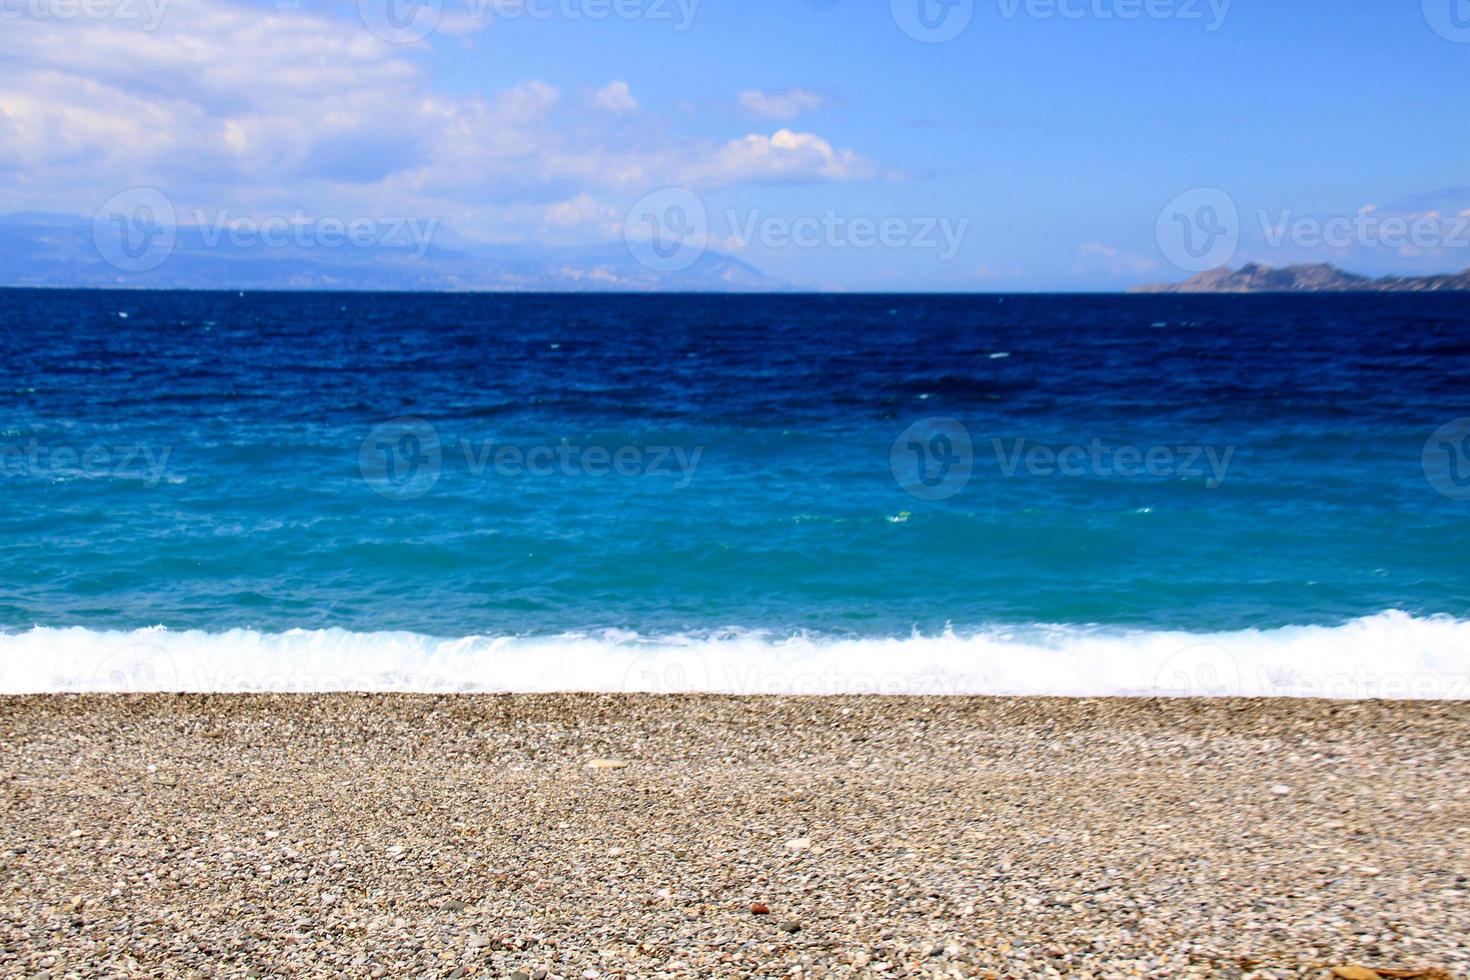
(1319, 277)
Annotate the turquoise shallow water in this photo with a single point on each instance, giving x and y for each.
(827, 467)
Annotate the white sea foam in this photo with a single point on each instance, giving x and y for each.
(1390, 655)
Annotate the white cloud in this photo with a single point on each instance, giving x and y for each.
(783, 155)
(781, 106)
(97, 102)
(1098, 257)
(268, 111)
(527, 102)
(582, 209)
(616, 98)
(582, 219)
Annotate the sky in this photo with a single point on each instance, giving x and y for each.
(985, 145)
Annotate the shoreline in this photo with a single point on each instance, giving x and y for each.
(642, 835)
(1391, 655)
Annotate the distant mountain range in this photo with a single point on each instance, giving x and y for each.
(38, 249)
(63, 251)
(1313, 278)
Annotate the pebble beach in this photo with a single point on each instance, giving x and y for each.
(585, 836)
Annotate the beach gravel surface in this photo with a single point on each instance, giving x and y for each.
(587, 836)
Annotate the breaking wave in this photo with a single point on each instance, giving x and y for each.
(1390, 655)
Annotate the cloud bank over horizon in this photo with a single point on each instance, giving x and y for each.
(324, 111)
(545, 124)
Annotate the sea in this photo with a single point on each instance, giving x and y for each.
(1075, 495)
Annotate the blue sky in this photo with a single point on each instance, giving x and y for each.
(1036, 149)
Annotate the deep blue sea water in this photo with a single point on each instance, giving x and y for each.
(905, 477)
